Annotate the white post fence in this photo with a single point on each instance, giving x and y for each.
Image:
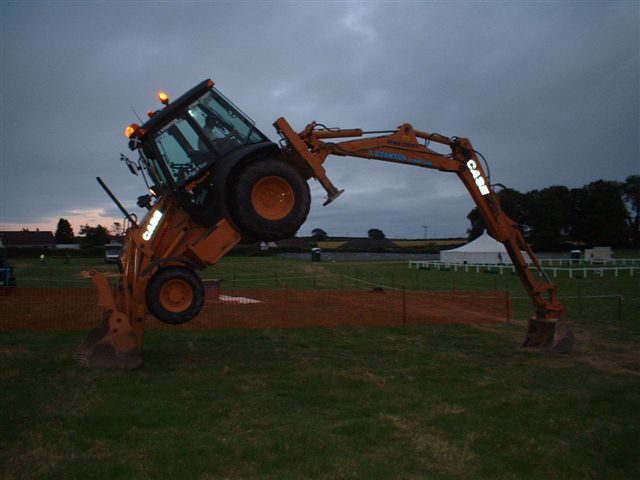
(581, 270)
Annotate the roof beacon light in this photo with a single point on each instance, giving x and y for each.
(164, 98)
(131, 129)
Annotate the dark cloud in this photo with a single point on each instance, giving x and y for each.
(548, 92)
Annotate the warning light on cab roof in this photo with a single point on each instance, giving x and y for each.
(130, 130)
(163, 97)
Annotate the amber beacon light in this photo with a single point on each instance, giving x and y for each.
(163, 97)
(130, 130)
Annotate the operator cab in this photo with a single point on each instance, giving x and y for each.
(184, 145)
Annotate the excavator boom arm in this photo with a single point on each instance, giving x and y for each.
(403, 146)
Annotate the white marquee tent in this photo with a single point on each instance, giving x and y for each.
(484, 249)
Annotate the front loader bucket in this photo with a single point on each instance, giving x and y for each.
(113, 343)
(110, 347)
(545, 334)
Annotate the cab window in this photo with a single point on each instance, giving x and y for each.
(183, 151)
(224, 126)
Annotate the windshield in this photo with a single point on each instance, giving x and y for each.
(223, 123)
(209, 129)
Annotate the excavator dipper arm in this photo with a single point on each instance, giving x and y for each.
(404, 146)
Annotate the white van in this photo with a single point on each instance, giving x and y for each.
(112, 252)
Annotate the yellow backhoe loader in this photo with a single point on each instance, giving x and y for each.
(215, 180)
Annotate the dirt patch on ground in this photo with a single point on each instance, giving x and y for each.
(616, 358)
(75, 308)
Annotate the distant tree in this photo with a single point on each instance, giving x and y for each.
(375, 233)
(579, 204)
(549, 217)
(117, 229)
(319, 235)
(477, 224)
(93, 236)
(631, 192)
(599, 215)
(514, 204)
(64, 232)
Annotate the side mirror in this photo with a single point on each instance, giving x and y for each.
(133, 168)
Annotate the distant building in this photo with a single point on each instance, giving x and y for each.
(112, 252)
(483, 250)
(598, 255)
(68, 246)
(303, 243)
(28, 239)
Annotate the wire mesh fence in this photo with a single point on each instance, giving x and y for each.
(71, 308)
(275, 292)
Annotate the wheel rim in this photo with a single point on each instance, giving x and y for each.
(273, 198)
(176, 295)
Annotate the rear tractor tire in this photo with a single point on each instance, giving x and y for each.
(269, 201)
(174, 295)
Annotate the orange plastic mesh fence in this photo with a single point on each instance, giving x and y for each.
(75, 308)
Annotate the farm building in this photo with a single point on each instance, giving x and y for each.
(28, 239)
(368, 244)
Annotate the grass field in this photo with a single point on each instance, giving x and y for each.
(441, 401)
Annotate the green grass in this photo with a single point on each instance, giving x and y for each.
(56, 272)
(442, 401)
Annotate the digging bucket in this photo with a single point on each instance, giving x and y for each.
(548, 335)
(110, 345)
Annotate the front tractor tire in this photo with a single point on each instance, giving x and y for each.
(174, 295)
(269, 201)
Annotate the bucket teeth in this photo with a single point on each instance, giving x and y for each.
(546, 335)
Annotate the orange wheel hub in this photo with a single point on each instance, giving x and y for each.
(176, 295)
(273, 198)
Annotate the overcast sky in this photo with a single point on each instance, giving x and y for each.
(547, 91)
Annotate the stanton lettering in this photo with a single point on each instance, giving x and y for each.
(387, 155)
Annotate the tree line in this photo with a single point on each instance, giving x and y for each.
(88, 236)
(319, 234)
(603, 213)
